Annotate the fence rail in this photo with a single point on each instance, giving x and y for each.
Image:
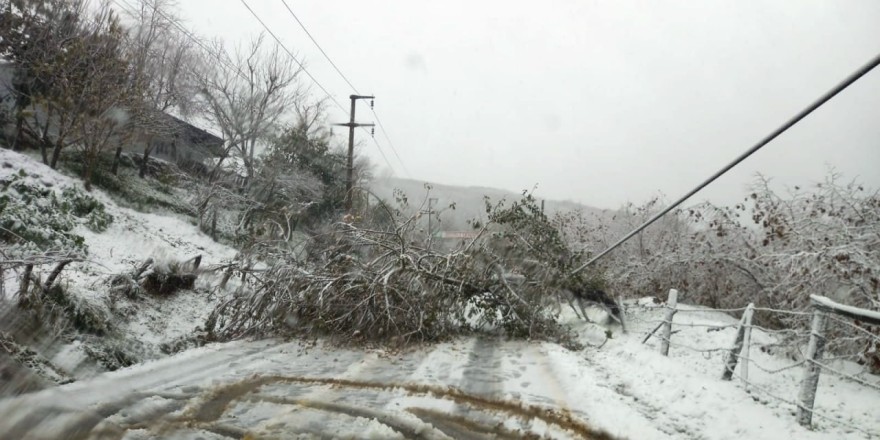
(822, 307)
(737, 354)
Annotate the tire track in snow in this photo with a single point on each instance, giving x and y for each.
(652, 413)
(248, 386)
(480, 375)
(445, 364)
(107, 396)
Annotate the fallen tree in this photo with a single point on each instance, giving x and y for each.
(368, 280)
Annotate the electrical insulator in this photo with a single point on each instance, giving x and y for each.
(371, 104)
(373, 132)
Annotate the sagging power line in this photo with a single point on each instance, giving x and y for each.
(353, 88)
(214, 54)
(319, 47)
(289, 53)
(862, 71)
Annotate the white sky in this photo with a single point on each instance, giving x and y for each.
(596, 102)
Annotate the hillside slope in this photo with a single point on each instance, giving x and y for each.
(469, 200)
(138, 328)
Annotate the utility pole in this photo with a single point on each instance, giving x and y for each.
(349, 184)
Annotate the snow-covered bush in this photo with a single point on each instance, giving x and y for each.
(31, 216)
(57, 307)
(80, 205)
(161, 276)
(772, 249)
(33, 213)
(112, 353)
(164, 283)
(37, 228)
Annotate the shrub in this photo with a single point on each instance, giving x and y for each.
(86, 207)
(31, 216)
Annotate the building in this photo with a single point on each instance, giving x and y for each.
(186, 145)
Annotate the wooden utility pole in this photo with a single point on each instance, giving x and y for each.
(349, 184)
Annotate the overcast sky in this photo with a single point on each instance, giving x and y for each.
(596, 102)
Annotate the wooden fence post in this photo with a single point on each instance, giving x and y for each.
(810, 383)
(745, 354)
(740, 343)
(671, 304)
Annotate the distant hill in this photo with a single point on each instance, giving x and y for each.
(468, 201)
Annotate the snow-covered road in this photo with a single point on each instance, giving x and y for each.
(468, 388)
(279, 390)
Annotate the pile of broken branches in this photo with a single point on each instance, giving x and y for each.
(376, 283)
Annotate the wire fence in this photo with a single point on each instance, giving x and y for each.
(765, 391)
(848, 335)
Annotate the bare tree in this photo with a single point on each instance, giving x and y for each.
(163, 64)
(293, 175)
(72, 76)
(103, 92)
(247, 100)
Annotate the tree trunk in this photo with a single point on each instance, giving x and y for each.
(226, 277)
(45, 143)
(54, 274)
(88, 164)
(116, 158)
(19, 128)
(214, 226)
(147, 150)
(44, 152)
(56, 153)
(25, 282)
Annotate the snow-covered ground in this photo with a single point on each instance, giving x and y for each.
(467, 388)
(276, 389)
(130, 239)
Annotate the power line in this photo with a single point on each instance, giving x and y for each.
(391, 144)
(319, 47)
(289, 53)
(385, 158)
(226, 63)
(356, 91)
(862, 71)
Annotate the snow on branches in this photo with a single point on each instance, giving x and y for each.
(375, 281)
(773, 248)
